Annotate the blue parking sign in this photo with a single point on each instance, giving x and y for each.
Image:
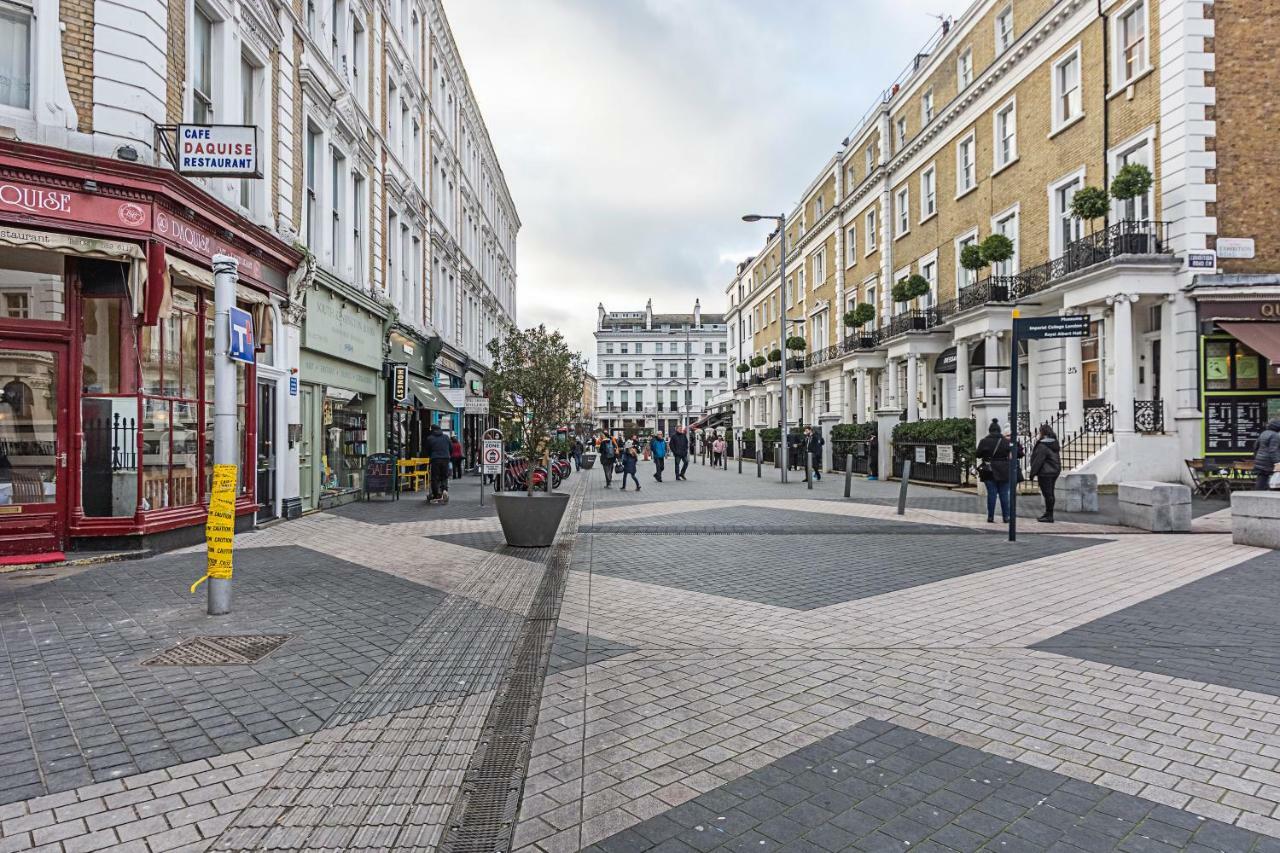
(241, 345)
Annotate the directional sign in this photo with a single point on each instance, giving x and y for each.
(1072, 326)
(491, 456)
(241, 348)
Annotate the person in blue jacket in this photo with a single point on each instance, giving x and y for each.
(658, 446)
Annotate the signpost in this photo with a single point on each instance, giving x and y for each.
(227, 150)
(1028, 329)
(491, 459)
(240, 347)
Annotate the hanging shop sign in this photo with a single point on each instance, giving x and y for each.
(400, 383)
(457, 397)
(477, 405)
(225, 150)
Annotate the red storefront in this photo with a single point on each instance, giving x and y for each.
(106, 345)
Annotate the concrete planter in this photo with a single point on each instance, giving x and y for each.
(588, 461)
(530, 521)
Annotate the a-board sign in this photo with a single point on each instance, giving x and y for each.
(380, 474)
(1065, 326)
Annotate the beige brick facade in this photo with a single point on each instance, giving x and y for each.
(76, 17)
(177, 59)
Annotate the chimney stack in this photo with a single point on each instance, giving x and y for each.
(648, 314)
(600, 316)
(697, 313)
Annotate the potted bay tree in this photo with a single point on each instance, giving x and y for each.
(858, 317)
(536, 381)
(1089, 204)
(995, 250)
(1132, 181)
(797, 345)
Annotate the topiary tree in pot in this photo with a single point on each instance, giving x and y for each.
(775, 355)
(535, 382)
(859, 316)
(757, 361)
(1089, 204)
(911, 288)
(743, 367)
(995, 250)
(797, 342)
(1133, 180)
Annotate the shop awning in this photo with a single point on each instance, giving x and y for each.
(428, 397)
(946, 362)
(1262, 338)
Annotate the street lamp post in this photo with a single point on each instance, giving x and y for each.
(782, 284)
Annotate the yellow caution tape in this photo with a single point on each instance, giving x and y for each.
(220, 528)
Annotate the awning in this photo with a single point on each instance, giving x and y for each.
(946, 362)
(70, 244)
(428, 397)
(1262, 338)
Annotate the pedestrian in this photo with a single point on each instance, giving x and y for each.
(439, 452)
(658, 446)
(717, 452)
(815, 444)
(630, 458)
(1267, 456)
(680, 450)
(455, 456)
(995, 453)
(873, 457)
(608, 457)
(1046, 465)
(577, 453)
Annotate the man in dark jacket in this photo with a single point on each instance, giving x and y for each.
(438, 451)
(814, 442)
(1267, 456)
(1046, 465)
(608, 457)
(680, 450)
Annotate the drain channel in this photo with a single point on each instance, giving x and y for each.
(236, 650)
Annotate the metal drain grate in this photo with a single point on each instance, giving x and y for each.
(237, 650)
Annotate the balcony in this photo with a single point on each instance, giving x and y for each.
(741, 384)
(917, 320)
(821, 356)
(1128, 237)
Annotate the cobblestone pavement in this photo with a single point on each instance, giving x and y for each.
(791, 670)
(737, 665)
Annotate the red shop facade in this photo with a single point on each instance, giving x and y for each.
(106, 342)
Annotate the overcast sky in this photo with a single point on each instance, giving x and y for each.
(635, 133)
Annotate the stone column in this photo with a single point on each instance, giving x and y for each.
(962, 379)
(1122, 313)
(913, 387)
(992, 383)
(1168, 354)
(894, 397)
(860, 377)
(1074, 384)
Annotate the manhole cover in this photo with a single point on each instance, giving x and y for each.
(219, 651)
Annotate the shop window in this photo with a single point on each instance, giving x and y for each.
(1231, 366)
(32, 285)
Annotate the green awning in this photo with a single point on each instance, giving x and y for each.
(428, 397)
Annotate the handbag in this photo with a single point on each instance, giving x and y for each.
(1274, 482)
(617, 469)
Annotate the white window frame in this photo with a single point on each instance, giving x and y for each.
(926, 107)
(1014, 265)
(870, 155)
(1056, 214)
(928, 192)
(902, 211)
(902, 274)
(818, 261)
(817, 208)
(964, 278)
(964, 69)
(26, 10)
(869, 286)
(931, 259)
(1004, 36)
(970, 139)
(215, 35)
(1059, 121)
(869, 225)
(900, 131)
(851, 251)
(1117, 155)
(998, 160)
(1120, 78)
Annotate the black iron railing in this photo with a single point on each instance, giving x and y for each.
(917, 320)
(757, 379)
(1148, 416)
(821, 355)
(860, 450)
(931, 463)
(773, 372)
(1095, 433)
(796, 362)
(741, 384)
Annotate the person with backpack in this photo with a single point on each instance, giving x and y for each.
(658, 446)
(995, 453)
(1046, 465)
(608, 456)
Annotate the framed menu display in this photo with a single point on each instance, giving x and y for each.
(1232, 424)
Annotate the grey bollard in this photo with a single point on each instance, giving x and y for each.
(902, 491)
(759, 462)
(848, 474)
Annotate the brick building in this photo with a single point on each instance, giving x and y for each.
(378, 229)
(992, 128)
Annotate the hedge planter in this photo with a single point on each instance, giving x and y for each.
(530, 521)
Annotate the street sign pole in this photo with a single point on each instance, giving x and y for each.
(225, 451)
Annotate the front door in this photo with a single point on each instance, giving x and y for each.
(266, 480)
(306, 449)
(34, 478)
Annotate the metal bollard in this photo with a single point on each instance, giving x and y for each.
(739, 461)
(808, 473)
(902, 490)
(848, 474)
(759, 462)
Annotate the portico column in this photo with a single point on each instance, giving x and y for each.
(892, 366)
(1074, 384)
(1122, 315)
(1168, 354)
(991, 353)
(962, 379)
(861, 378)
(913, 388)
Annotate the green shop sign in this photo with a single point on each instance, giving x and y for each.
(342, 329)
(322, 370)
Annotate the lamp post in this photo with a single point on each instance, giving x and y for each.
(688, 370)
(782, 283)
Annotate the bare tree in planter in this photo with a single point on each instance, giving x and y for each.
(859, 316)
(1132, 181)
(536, 383)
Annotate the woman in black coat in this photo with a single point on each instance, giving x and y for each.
(997, 452)
(1046, 465)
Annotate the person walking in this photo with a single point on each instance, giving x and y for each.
(439, 452)
(1046, 465)
(717, 453)
(994, 453)
(873, 457)
(814, 447)
(1267, 456)
(577, 453)
(680, 450)
(630, 457)
(658, 446)
(608, 458)
(455, 456)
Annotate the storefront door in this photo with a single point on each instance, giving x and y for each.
(266, 480)
(34, 477)
(306, 449)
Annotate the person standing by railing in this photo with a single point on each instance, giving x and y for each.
(1046, 465)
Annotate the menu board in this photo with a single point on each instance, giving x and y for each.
(1232, 424)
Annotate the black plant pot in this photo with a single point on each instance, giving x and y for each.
(1134, 244)
(866, 342)
(530, 521)
(919, 324)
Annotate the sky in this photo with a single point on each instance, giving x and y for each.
(634, 134)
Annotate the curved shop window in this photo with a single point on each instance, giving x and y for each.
(147, 404)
